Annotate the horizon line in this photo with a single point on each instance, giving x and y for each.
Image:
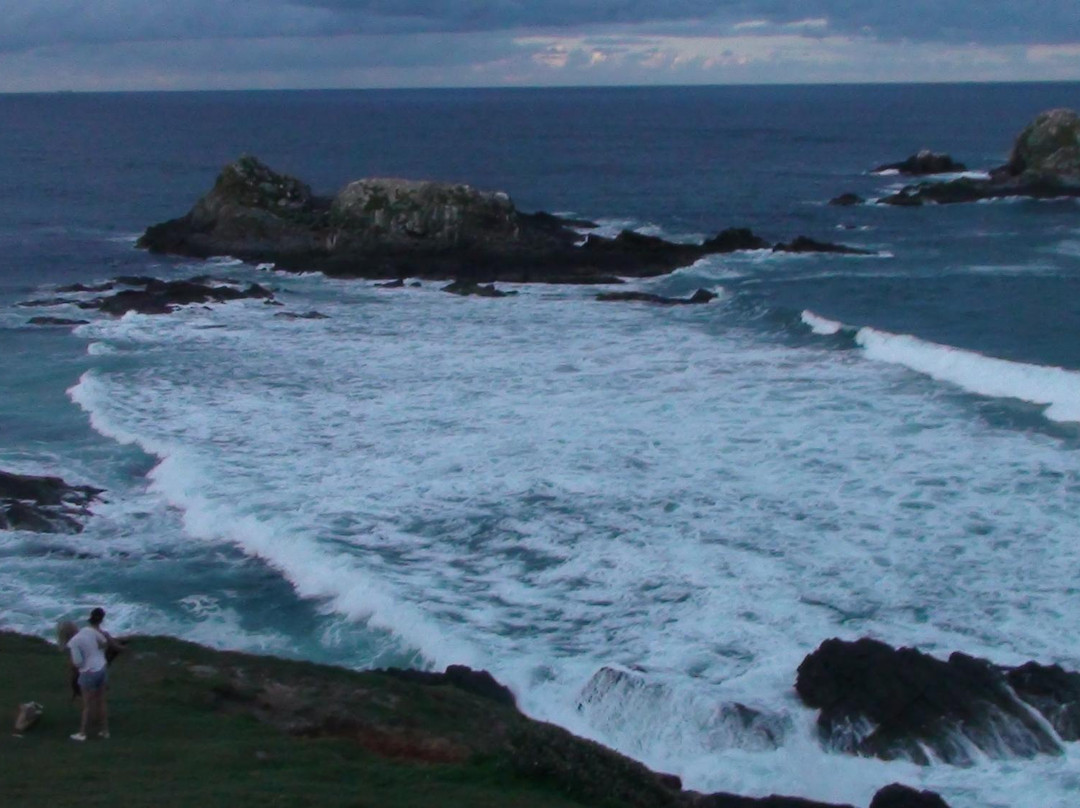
(528, 87)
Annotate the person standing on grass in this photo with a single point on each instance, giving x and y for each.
(87, 650)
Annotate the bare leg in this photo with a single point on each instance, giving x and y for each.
(87, 706)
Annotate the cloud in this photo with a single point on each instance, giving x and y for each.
(34, 23)
(308, 43)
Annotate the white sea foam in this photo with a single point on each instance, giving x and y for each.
(545, 485)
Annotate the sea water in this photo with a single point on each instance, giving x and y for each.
(638, 517)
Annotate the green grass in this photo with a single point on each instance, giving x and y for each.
(195, 727)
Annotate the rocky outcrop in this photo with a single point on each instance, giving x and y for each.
(43, 504)
(1044, 164)
(700, 296)
(396, 229)
(924, 162)
(878, 701)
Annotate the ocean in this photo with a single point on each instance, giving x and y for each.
(635, 516)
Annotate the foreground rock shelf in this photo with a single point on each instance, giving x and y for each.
(393, 228)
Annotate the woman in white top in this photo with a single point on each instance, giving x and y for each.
(87, 650)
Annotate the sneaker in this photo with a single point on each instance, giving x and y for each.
(104, 735)
(78, 736)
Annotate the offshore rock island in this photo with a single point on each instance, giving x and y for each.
(395, 228)
(1044, 164)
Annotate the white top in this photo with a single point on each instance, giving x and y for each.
(88, 649)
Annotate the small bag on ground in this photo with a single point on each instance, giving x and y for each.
(26, 716)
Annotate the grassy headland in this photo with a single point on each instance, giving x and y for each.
(196, 727)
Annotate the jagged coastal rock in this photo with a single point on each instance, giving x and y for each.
(43, 504)
(395, 228)
(878, 701)
(1044, 164)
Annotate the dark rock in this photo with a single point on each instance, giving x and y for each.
(465, 288)
(1052, 691)
(1044, 164)
(398, 284)
(734, 239)
(479, 683)
(43, 504)
(55, 321)
(803, 244)
(45, 490)
(877, 701)
(847, 200)
(901, 796)
(36, 518)
(700, 296)
(925, 162)
(307, 315)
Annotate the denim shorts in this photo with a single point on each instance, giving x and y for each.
(92, 681)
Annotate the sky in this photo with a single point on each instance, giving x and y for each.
(50, 45)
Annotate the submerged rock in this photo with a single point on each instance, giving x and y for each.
(1044, 164)
(804, 244)
(307, 315)
(878, 701)
(924, 162)
(162, 297)
(847, 200)
(56, 321)
(147, 295)
(466, 288)
(614, 698)
(43, 504)
(700, 296)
